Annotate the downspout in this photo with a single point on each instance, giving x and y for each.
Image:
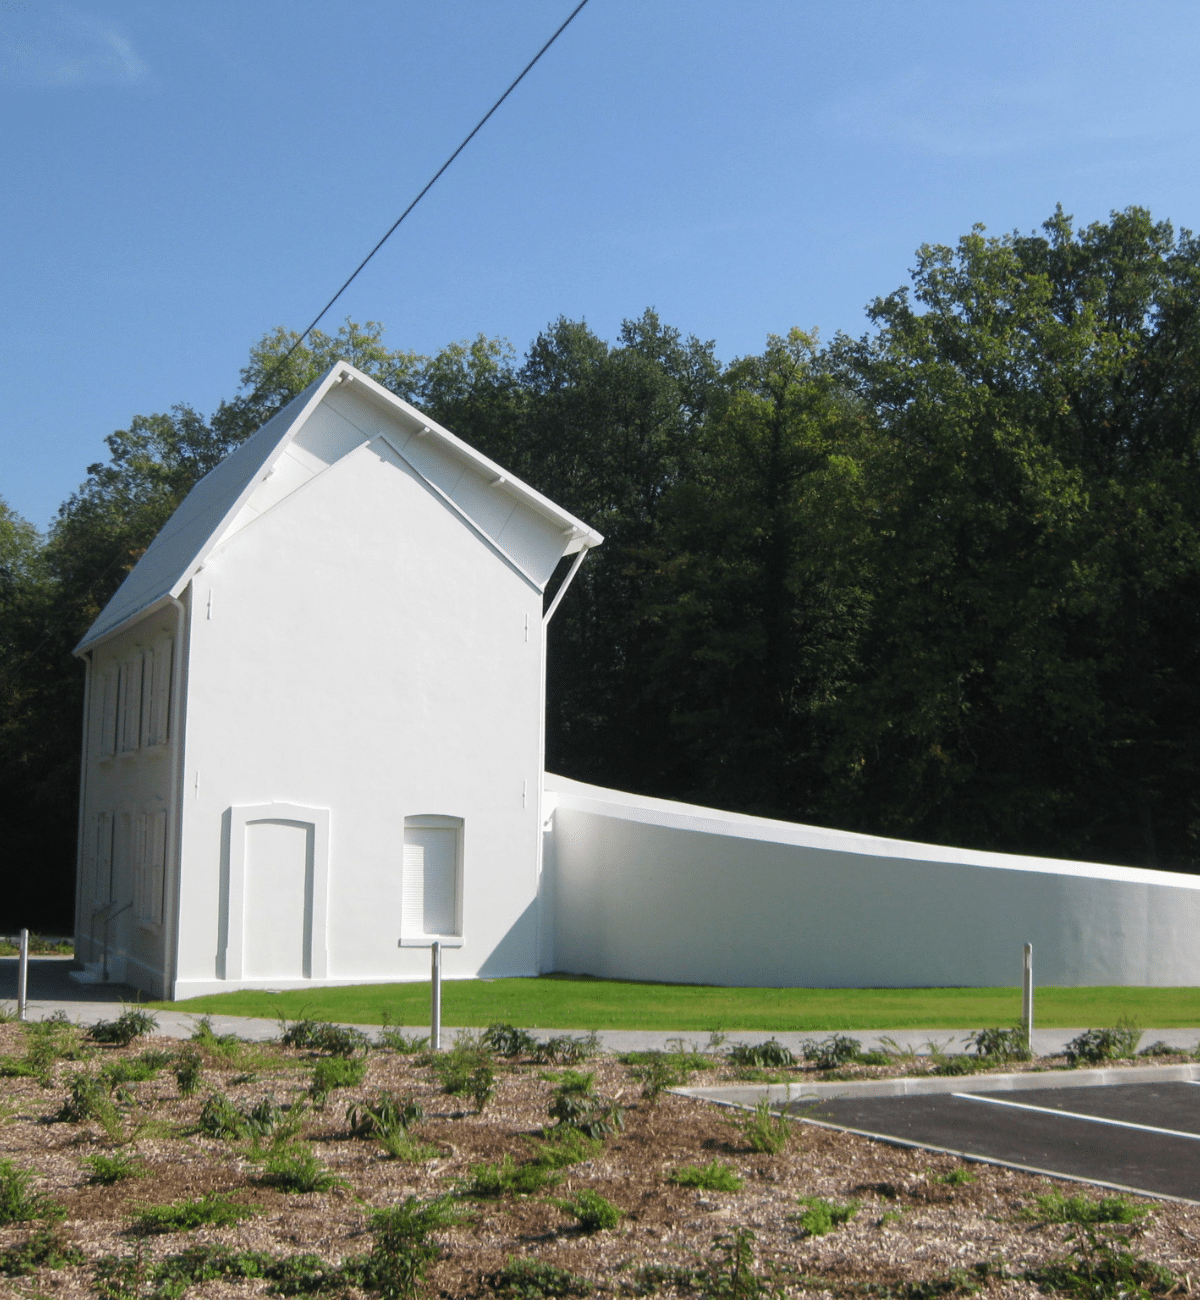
(175, 875)
(80, 831)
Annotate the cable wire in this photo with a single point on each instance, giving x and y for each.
(428, 186)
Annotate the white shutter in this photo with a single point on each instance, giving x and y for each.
(155, 863)
(147, 727)
(108, 715)
(103, 857)
(139, 868)
(158, 683)
(429, 890)
(131, 704)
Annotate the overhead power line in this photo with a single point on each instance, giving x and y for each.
(425, 190)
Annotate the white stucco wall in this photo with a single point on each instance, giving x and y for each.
(359, 651)
(649, 889)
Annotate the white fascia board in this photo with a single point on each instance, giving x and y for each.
(621, 806)
(90, 643)
(580, 533)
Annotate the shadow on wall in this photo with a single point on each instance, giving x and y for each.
(516, 953)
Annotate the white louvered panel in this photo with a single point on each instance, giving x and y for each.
(131, 705)
(147, 731)
(412, 887)
(158, 682)
(108, 715)
(155, 863)
(103, 858)
(139, 868)
(429, 899)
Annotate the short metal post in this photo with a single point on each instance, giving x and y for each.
(1027, 998)
(23, 975)
(435, 984)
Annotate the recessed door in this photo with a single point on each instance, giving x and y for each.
(278, 899)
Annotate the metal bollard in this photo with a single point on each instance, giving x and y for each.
(1027, 998)
(23, 975)
(435, 996)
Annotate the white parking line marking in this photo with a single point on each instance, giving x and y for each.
(1071, 1114)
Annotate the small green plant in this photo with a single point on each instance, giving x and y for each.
(296, 1168)
(1054, 1207)
(821, 1216)
(46, 1247)
(563, 1049)
(388, 1114)
(18, 1201)
(768, 1055)
(713, 1177)
(650, 1279)
(576, 1105)
(114, 1167)
(395, 1040)
(129, 1070)
(956, 1178)
(531, 1279)
(506, 1178)
(999, 1045)
(335, 1072)
(88, 1098)
(213, 1210)
(729, 1272)
(189, 1068)
(960, 1063)
(656, 1071)
(219, 1044)
(507, 1040)
(220, 1118)
(832, 1052)
(591, 1211)
(405, 1246)
(321, 1036)
(134, 1277)
(130, 1024)
(1100, 1266)
(900, 1053)
(762, 1129)
(467, 1069)
(1096, 1045)
(1159, 1048)
(563, 1146)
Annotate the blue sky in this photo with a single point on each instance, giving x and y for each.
(179, 178)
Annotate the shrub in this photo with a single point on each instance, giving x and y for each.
(1054, 1207)
(335, 1072)
(657, 1071)
(46, 1247)
(762, 1129)
(18, 1201)
(832, 1052)
(388, 1116)
(713, 1177)
(189, 1066)
(576, 1105)
(1000, 1044)
(769, 1055)
(297, 1169)
(531, 1279)
(404, 1245)
(1096, 1045)
(649, 1279)
(563, 1146)
(88, 1097)
(130, 1024)
(821, 1216)
(956, 1178)
(220, 1044)
(129, 1070)
(395, 1040)
(1159, 1048)
(321, 1036)
(959, 1064)
(566, 1050)
(220, 1118)
(109, 1169)
(127, 1277)
(592, 1212)
(508, 1040)
(1103, 1268)
(729, 1271)
(213, 1210)
(506, 1178)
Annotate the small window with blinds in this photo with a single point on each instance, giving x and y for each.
(431, 879)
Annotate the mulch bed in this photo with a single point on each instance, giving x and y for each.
(915, 1235)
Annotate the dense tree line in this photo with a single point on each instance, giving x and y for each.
(940, 582)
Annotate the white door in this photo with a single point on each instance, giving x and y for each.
(278, 899)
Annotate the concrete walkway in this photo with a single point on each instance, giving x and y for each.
(51, 990)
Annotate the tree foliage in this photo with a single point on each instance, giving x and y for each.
(940, 581)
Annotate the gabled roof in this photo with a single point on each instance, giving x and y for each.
(334, 415)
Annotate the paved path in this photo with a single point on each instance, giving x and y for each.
(51, 990)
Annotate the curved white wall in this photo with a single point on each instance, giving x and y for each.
(649, 889)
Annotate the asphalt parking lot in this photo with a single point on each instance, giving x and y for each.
(1140, 1137)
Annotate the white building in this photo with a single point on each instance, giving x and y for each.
(313, 743)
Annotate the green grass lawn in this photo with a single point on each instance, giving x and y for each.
(580, 1002)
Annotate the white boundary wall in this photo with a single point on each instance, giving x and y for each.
(649, 889)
